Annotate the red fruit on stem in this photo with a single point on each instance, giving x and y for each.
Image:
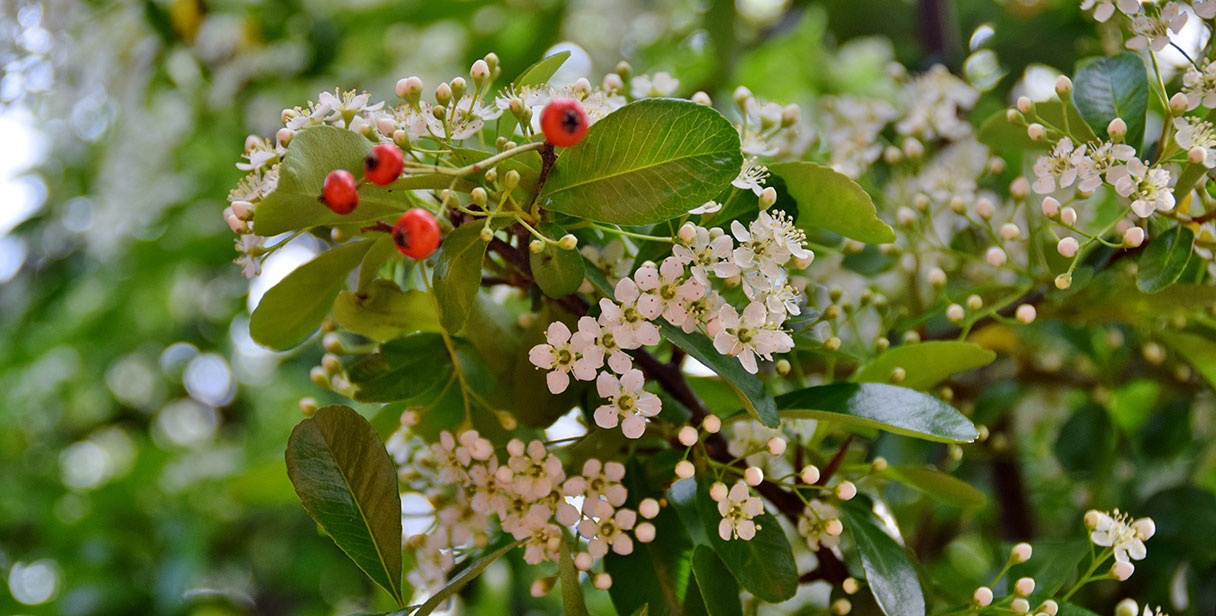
(416, 233)
(383, 164)
(564, 122)
(340, 192)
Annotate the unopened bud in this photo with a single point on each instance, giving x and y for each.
(1068, 216)
(1067, 247)
(985, 209)
(1196, 155)
(1019, 187)
(711, 424)
(568, 242)
(458, 87)
(996, 256)
(536, 246)
(1010, 231)
(1051, 207)
(982, 596)
(1178, 104)
(1117, 129)
(480, 72)
(1024, 586)
(1025, 314)
(443, 94)
(955, 313)
(702, 98)
(687, 436)
(1063, 281)
(975, 302)
(685, 469)
(753, 476)
(1036, 132)
(1025, 105)
(1063, 87)
(767, 198)
(845, 490)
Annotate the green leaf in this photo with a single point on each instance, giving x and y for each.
(764, 565)
(534, 75)
(939, 485)
(873, 405)
(315, 152)
(1052, 564)
(925, 364)
(382, 311)
(755, 397)
(719, 590)
(348, 484)
(293, 309)
(1164, 259)
(830, 200)
(1113, 87)
(889, 573)
(466, 576)
(413, 368)
(381, 251)
(458, 275)
(644, 163)
(998, 133)
(656, 575)
(557, 272)
(1199, 351)
(572, 591)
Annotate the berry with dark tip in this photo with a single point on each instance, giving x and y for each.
(383, 164)
(564, 122)
(340, 192)
(416, 233)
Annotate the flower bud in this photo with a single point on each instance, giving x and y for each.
(1019, 554)
(1092, 517)
(982, 596)
(1019, 187)
(767, 198)
(1196, 155)
(602, 581)
(850, 585)
(937, 277)
(252, 141)
(1067, 247)
(1117, 129)
(741, 96)
(783, 366)
(645, 532)
(996, 256)
(1127, 607)
(1015, 117)
(612, 83)
(718, 491)
(687, 233)
(308, 406)
(1050, 607)
(492, 61)
(283, 136)
(881, 343)
(702, 98)
(898, 374)
(845, 490)
(583, 561)
(711, 424)
(975, 302)
(776, 446)
(842, 606)
(913, 148)
(905, 216)
(458, 87)
(958, 206)
(1064, 281)
(648, 508)
(536, 246)
(1063, 87)
(955, 313)
(985, 209)
(1025, 105)
(789, 115)
(479, 72)
(1051, 207)
(568, 242)
(541, 586)
(410, 89)
(687, 436)
(832, 344)
(1068, 216)
(1020, 606)
(1010, 231)
(1178, 104)
(1025, 314)
(1036, 132)
(1122, 570)
(685, 469)
(1024, 586)
(443, 94)
(892, 155)
(753, 476)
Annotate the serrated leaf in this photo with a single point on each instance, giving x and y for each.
(752, 392)
(889, 573)
(466, 576)
(411, 368)
(886, 407)
(1113, 87)
(645, 163)
(382, 311)
(1165, 258)
(764, 565)
(828, 199)
(939, 485)
(718, 588)
(312, 154)
(348, 484)
(572, 592)
(293, 309)
(558, 272)
(458, 275)
(925, 364)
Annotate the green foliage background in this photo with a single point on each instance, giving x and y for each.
(148, 109)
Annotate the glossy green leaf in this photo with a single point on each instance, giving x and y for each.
(558, 272)
(764, 565)
(382, 311)
(751, 390)
(458, 275)
(348, 484)
(1113, 87)
(382, 250)
(998, 133)
(1165, 258)
(644, 163)
(413, 368)
(466, 576)
(925, 364)
(889, 573)
(572, 592)
(656, 575)
(719, 590)
(1199, 351)
(886, 407)
(939, 485)
(312, 154)
(828, 199)
(1052, 564)
(293, 309)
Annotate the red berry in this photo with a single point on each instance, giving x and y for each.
(416, 233)
(340, 193)
(564, 122)
(384, 164)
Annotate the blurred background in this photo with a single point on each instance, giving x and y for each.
(142, 431)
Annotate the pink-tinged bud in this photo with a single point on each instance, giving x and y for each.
(645, 532)
(688, 436)
(1067, 247)
(996, 256)
(1024, 586)
(809, 474)
(1051, 207)
(685, 469)
(1063, 87)
(955, 313)
(1025, 314)
(252, 141)
(1133, 237)
(753, 476)
(718, 491)
(712, 424)
(776, 446)
(283, 136)
(602, 581)
(982, 596)
(1019, 188)
(1178, 104)
(1196, 155)
(1068, 216)
(845, 490)
(1010, 231)
(985, 209)
(1117, 129)
(1021, 553)
(648, 508)
(479, 71)
(702, 98)
(409, 88)
(1122, 570)
(1025, 105)
(1036, 132)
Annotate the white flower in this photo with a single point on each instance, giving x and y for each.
(1205, 9)
(1148, 188)
(668, 285)
(543, 544)
(738, 509)
(598, 480)
(629, 322)
(534, 471)
(705, 253)
(933, 101)
(819, 525)
(1200, 85)
(248, 246)
(751, 176)
(662, 84)
(262, 155)
(706, 208)
(748, 336)
(564, 354)
(702, 311)
(1106, 8)
(1104, 159)
(628, 404)
(1117, 531)
(618, 361)
(851, 127)
(1060, 166)
(1196, 133)
(609, 531)
(768, 243)
(1153, 31)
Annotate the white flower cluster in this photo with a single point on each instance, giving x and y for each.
(530, 494)
(1088, 165)
(933, 102)
(820, 526)
(679, 290)
(737, 508)
(1119, 532)
(851, 127)
(596, 102)
(1152, 31)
